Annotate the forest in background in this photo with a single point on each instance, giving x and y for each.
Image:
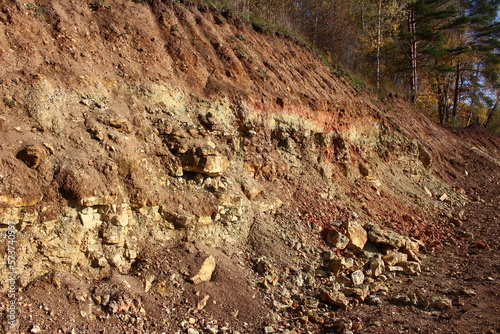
(441, 54)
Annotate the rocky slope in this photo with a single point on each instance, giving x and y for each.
(144, 141)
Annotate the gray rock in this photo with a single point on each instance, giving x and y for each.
(337, 239)
(358, 277)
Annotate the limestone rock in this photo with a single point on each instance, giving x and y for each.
(357, 235)
(377, 266)
(205, 161)
(337, 239)
(251, 188)
(410, 267)
(394, 258)
(205, 272)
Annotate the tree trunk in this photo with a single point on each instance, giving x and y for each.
(491, 112)
(456, 93)
(412, 27)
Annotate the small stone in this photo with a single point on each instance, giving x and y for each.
(377, 265)
(441, 303)
(456, 221)
(35, 329)
(468, 292)
(443, 197)
(395, 268)
(344, 324)
(410, 267)
(358, 277)
(314, 317)
(402, 299)
(269, 330)
(148, 282)
(202, 303)
(374, 300)
(338, 265)
(205, 272)
(192, 331)
(336, 298)
(394, 258)
(32, 155)
(337, 239)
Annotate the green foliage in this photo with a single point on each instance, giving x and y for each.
(357, 84)
(8, 102)
(39, 9)
(241, 37)
(174, 27)
(95, 5)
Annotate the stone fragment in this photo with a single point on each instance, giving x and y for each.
(410, 267)
(112, 235)
(336, 298)
(443, 197)
(394, 258)
(386, 237)
(359, 292)
(121, 124)
(205, 161)
(468, 292)
(202, 303)
(357, 235)
(205, 272)
(314, 317)
(148, 282)
(337, 239)
(441, 303)
(402, 299)
(251, 188)
(374, 300)
(269, 330)
(338, 265)
(377, 266)
(357, 277)
(179, 218)
(395, 268)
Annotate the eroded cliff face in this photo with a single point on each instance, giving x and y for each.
(140, 127)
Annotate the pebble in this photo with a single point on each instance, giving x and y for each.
(358, 277)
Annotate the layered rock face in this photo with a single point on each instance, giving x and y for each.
(151, 136)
